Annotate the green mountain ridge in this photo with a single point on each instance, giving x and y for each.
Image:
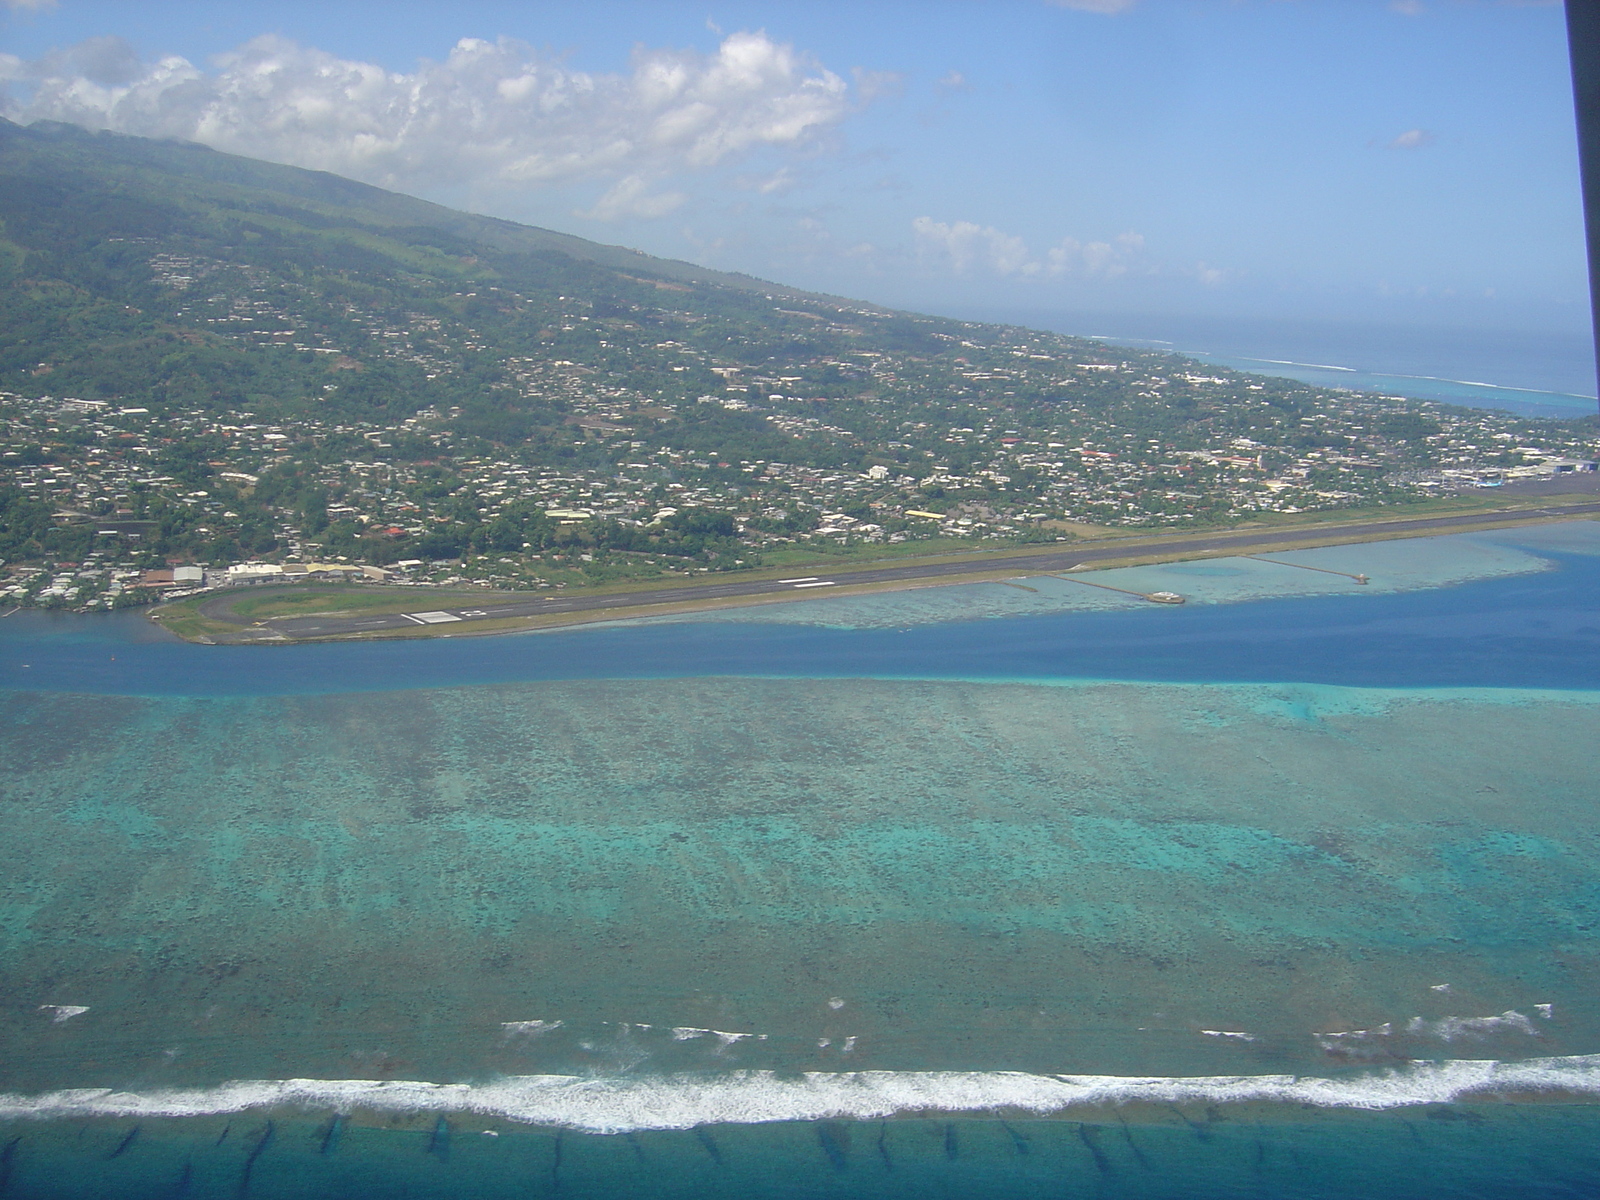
(76, 155)
(80, 301)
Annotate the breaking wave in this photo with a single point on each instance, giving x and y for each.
(1445, 1029)
(754, 1097)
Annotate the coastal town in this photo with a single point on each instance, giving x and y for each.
(112, 505)
(219, 399)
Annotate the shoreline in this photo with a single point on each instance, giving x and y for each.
(210, 619)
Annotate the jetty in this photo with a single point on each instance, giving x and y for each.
(1153, 597)
(1362, 579)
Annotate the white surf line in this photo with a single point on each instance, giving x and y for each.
(625, 1104)
(1377, 374)
(1289, 362)
(1503, 387)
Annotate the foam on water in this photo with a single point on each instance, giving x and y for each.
(1445, 1029)
(756, 1097)
(529, 1029)
(1450, 1029)
(63, 1012)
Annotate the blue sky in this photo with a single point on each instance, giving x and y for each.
(1411, 162)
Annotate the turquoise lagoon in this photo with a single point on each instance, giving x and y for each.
(987, 890)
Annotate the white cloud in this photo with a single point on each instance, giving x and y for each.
(952, 81)
(966, 246)
(631, 197)
(773, 184)
(1412, 139)
(29, 5)
(492, 113)
(1097, 6)
(1105, 260)
(875, 85)
(1408, 8)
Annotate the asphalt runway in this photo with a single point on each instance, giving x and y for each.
(296, 628)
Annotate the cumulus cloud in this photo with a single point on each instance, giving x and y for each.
(1412, 139)
(491, 113)
(952, 81)
(630, 197)
(966, 247)
(1106, 260)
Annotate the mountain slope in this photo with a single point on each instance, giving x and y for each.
(134, 270)
(144, 169)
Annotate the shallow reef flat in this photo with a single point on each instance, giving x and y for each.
(1407, 564)
(623, 876)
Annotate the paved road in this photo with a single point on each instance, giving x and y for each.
(1022, 564)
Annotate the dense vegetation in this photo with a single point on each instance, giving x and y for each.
(87, 220)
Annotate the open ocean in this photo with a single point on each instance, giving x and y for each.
(958, 893)
(1536, 373)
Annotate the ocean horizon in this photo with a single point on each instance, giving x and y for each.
(1534, 372)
